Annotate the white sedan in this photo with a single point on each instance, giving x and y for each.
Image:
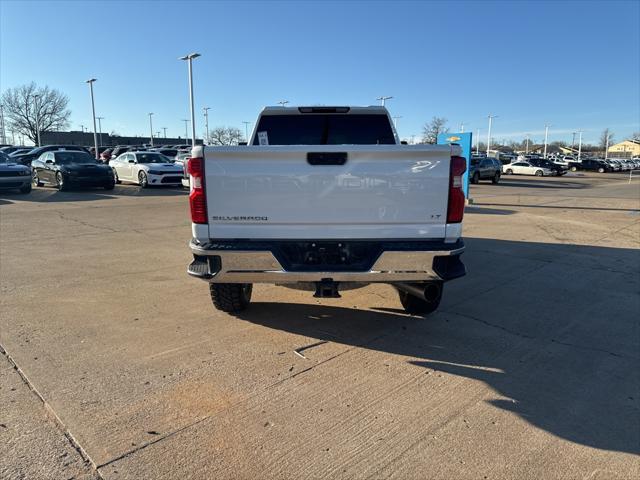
(525, 168)
(146, 168)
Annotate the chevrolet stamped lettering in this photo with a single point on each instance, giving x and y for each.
(224, 218)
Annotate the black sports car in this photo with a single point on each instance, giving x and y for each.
(65, 169)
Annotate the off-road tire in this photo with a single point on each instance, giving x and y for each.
(416, 306)
(230, 297)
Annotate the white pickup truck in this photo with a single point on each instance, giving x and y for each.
(326, 198)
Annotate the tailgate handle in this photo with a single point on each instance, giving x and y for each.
(327, 158)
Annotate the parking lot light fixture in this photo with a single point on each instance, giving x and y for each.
(383, 99)
(283, 102)
(37, 107)
(93, 109)
(186, 131)
(165, 131)
(546, 137)
(246, 130)
(395, 121)
(189, 59)
(526, 148)
(206, 122)
(100, 129)
(461, 127)
(150, 128)
(490, 117)
(478, 141)
(579, 145)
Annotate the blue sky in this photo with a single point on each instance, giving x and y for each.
(575, 65)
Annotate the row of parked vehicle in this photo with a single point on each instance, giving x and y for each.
(66, 166)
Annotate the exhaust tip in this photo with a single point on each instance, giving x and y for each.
(432, 292)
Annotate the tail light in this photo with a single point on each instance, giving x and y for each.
(197, 197)
(455, 211)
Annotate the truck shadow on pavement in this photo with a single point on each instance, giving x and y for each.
(563, 357)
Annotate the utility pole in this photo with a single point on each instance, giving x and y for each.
(165, 131)
(37, 97)
(150, 128)
(491, 117)
(579, 145)
(283, 102)
(246, 130)
(189, 58)
(478, 142)
(383, 99)
(606, 148)
(573, 140)
(546, 136)
(186, 132)
(526, 150)
(100, 128)
(206, 121)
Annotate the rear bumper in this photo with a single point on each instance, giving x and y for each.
(395, 261)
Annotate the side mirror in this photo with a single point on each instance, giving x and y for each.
(132, 161)
(49, 161)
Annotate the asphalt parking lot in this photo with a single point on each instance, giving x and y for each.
(530, 369)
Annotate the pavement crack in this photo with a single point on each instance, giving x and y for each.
(153, 442)
(51, 413)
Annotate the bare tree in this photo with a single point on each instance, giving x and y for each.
(606, 138)
(432, 129)
(225, 136)
(635, 136)
(20, 104)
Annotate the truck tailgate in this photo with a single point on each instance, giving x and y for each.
(381, 191)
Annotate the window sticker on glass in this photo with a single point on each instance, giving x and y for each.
(263, 138)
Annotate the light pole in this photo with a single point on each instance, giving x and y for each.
(526, 149)
(206, 121)
(395, 121)
(100, 127)
(93, 109)
(283, 102)
(606, 148)
(186, 132)
(462, 127)
(246, 130)
(383, 99)
(4, 138)
(151, 127)
(579, 145)
(82, 128)
(546, 136)
(491, 117)
(573, 140)
(165, 131)
(37, 97)
(478, 142)
(189, 58)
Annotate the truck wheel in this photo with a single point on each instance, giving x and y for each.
(496, 178)
(230, 297)
(417, 306)
(476, 178)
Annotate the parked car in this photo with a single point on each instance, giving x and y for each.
(615, 166)
(484, 169)
(167, 152)
(14, 175)
(10, 150)
(146, 168)
(556, 168)
(526, 168)
(66, 168)
(27, 158)
(181, 159)
(20, 150)
(589, 164)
